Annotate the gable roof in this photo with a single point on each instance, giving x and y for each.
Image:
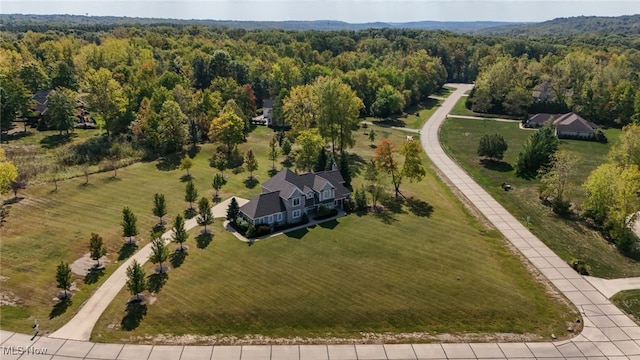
(267, 103)
(263, 205)
(564, 122)
(41, 98)
(286, 181)
(574, 123)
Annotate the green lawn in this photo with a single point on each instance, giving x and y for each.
(568, 239)
(414, 118)
(629, 302)
(394, 271)
(460, 109)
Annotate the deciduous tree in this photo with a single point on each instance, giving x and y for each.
(159, 206)
(191, 193)
(105, 96)
(97, 248)
(555, 182)
(63, 278)
(129, 224)
(492, 146)
(180, 235)
(251, 162)
(385, 160)
(159, 252)
(412, 167)
(136, 279)
(171, 127)
(309, 143)
(61, 107)
(186, 164)
(204, 213)
(217, 184)
(274, 151)
(227, 128)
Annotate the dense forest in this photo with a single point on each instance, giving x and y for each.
(621, 25)
(163, 86)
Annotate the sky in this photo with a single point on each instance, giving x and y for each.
(354, 11)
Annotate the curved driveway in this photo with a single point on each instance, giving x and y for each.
(607, 333)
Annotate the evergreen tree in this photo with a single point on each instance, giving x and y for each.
(321, 162)
(536, 152)
(492, 146)
(345, 171)
(233, 210)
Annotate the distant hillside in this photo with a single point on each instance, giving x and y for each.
(19, 22)
(622, 25)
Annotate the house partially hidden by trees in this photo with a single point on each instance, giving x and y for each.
(40, 102)
(287, 196)
(266, 118)
(569, 125)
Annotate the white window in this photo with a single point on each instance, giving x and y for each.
(295, 214)
(270, 219)
(296, 201)
(279, 216)
(326, 194)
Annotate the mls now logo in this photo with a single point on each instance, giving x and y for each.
(21, 350)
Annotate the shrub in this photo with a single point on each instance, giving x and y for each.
(251, 231)
(580, 266)
(562, 207)
(305, 219)
(324, 213)
(262, 230)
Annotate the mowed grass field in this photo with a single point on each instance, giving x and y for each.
(389, 272)
(569, 239)
(629, 302)
(397, 271)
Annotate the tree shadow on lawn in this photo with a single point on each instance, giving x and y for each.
(186, 178)
(297, 234)
(356, 163)
(385, 215)
(496, 165)
(156, 281)
(93, 275)
(203, 240)
(331, 224)
(190, 212)
(127, 250)
(136, 311)
(177, 258)
(53, 141)
(169, 162)
(419, 208)
(390, 122)
(60, 307)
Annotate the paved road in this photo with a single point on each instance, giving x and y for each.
(607, 334)
(81, 325)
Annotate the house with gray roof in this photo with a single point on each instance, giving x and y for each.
(287, 196)
(565, 125)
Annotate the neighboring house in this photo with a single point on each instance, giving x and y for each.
(267, 113)
(565, 125)
(40, 100)
(542, 92)
(287, 196)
